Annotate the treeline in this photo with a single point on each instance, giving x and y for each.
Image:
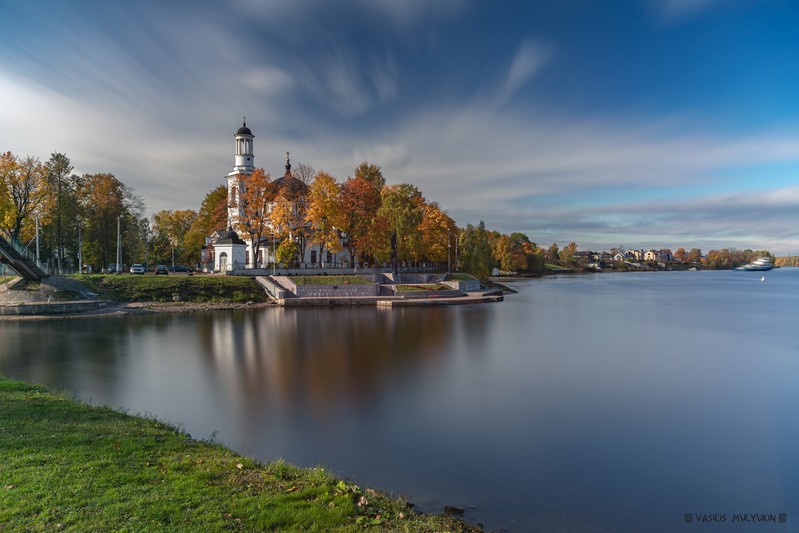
(71, 212)
(376, 222)
(728, 258)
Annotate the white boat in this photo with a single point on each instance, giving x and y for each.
(759, 264)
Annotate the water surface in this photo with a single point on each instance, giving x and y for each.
(612, 402)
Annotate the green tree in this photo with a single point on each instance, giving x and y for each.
(287, 251)
(212, 216)
(552, 254)
(106, 202)
(372, 174)
(63, 205)
(476, 256)
(401, 207)
(171, 228)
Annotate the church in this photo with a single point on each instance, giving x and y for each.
(228, 252)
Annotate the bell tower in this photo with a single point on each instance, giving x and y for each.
(243, 164)
(244, 161)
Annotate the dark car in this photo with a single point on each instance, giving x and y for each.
(181, 269)
(161, 269)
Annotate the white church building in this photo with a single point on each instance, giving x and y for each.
(226, 251)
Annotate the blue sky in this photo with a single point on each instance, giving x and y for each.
(640, 123)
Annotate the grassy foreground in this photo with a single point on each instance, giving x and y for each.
(127, 288)
(69, 466)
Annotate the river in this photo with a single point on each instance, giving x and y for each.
(607, 402)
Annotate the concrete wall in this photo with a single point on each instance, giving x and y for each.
(465, 286)
(332, 291)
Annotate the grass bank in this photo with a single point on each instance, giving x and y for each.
(423, 287)
(127, 288)
(69, 466)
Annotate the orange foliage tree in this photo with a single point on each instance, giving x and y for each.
(256, 196)
(360, 200)
(438, 232)
(24, 191)
(324, 213)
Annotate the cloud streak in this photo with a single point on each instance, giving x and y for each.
(157, 106)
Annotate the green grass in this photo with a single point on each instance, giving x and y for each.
(72, 467)
(330, 280)
(126, 288)
(422, 287)
(459, 276)
(4, 279)
(551, 266)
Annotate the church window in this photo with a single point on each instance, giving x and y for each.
(313, 257)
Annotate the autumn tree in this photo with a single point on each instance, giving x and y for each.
(212, 216)
(695, 255)
(25, 190)
(106, 202)
(256, 194)
(360, 201)
(372, 174)
(567, 255)
(324, 213)
(680, 255)
(171, 228)
(509, 253)
(288, 216)
(438, 232)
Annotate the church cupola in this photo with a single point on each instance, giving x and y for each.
(244, 160)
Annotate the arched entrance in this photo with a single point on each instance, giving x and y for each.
(223, 262)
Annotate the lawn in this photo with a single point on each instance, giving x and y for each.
(422, 287)
(459, 276)
(73, 467)
(127, 288)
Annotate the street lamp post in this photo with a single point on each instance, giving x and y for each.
(449, 251)
(37, 235)
(119, 246)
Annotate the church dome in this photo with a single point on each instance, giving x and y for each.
(244, 130)
(229, 237)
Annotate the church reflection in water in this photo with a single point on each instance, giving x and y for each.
(318, 361)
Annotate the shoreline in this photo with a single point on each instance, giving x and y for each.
(117, 469)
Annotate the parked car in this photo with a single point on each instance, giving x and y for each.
(161, 269)
(181, 268)
(137, 269)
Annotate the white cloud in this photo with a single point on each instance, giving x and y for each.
(268, 80)
(677, 10)
(530, 58)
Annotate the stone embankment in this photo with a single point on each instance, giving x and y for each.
(54, 295)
